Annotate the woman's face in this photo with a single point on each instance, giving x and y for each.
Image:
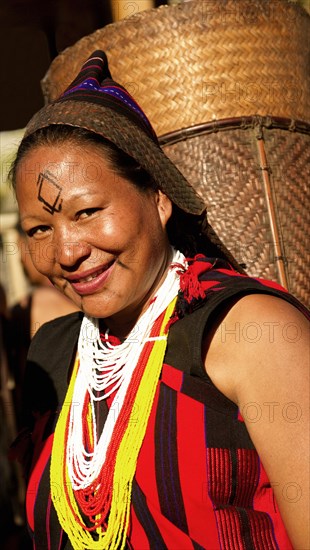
(98, 238)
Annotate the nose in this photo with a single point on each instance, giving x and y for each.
(70, 252)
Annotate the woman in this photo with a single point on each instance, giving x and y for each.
(173, 410)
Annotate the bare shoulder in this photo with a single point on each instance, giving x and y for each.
(258, 356)
(258, 333)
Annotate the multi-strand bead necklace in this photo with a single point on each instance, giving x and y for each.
(91, 473)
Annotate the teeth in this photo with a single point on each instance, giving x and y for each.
(90, 277)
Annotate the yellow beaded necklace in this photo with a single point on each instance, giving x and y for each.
(112, 536)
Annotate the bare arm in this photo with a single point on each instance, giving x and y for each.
(259, 358)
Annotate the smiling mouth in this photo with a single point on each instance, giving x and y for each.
(92, 282)
(91, 276)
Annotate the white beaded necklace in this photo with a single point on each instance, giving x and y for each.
(104, 369)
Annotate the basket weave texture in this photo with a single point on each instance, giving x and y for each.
(229, 176)
(202, 62)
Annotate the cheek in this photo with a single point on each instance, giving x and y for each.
(121, 232)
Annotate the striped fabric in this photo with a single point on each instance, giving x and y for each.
(199, 482)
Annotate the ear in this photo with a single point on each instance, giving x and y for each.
(164, 206)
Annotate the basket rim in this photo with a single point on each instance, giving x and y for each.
(257, 122)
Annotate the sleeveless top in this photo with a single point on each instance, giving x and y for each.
(199, 482)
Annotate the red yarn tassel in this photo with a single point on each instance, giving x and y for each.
(190, 285)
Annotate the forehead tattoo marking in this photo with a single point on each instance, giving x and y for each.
(47, 184)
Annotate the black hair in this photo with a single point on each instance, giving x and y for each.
(185, 231)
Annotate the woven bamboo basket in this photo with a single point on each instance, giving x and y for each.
(225, 84)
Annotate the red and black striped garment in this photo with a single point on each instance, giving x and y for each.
(199, 482)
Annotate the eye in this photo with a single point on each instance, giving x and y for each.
(37, 231)
(87, 212)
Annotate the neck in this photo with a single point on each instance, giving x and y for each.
(122, 323)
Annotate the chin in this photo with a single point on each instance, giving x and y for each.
(95, 306)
